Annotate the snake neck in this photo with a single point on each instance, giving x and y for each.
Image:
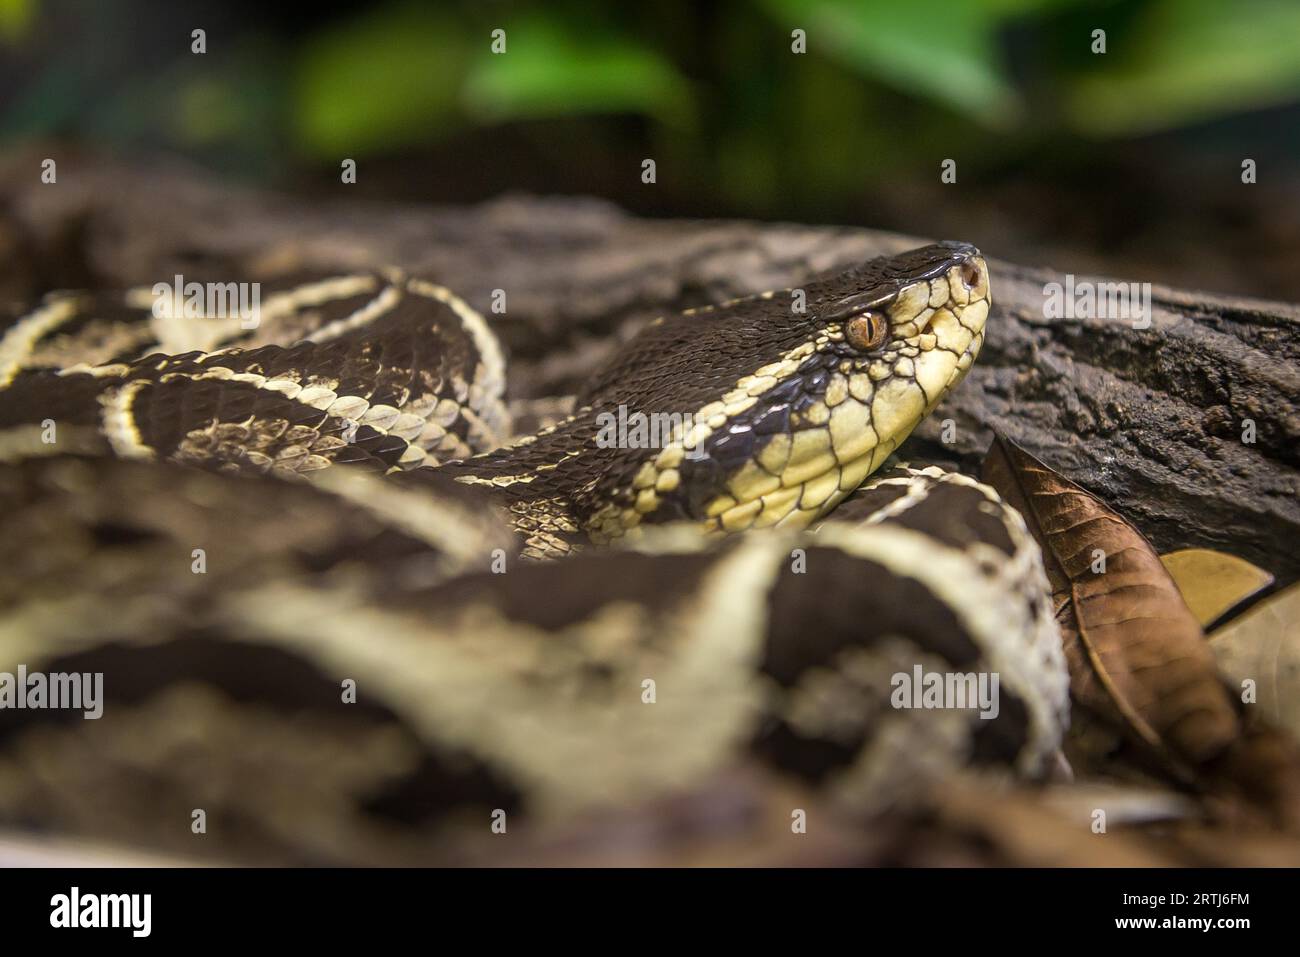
(549, 484)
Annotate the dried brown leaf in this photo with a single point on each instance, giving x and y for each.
(1136, 652)
(1137, 655)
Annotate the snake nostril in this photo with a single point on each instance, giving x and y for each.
(970, 275)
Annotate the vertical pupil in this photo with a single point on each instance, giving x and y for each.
(867, 330)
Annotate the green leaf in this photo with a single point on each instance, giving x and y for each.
(546, 71)
(382, 81)
(933, 48)
(1191, 60)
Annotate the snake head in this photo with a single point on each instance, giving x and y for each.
(921, 332)
(790, 409)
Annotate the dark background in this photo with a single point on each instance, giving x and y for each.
(1128, 162)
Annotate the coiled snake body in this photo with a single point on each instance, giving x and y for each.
(373, 665)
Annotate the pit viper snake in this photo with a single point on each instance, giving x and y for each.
(344, 611)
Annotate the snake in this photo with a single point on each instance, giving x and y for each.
(346, 612)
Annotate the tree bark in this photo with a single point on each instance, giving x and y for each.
(1155, 421)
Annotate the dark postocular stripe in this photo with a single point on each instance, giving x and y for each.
(702, 480)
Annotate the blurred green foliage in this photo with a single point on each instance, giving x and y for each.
(1193, 60)
(941, 50)
(15, 16)
(554, 72)
(404, 72)
(715, 88)
(382, 81)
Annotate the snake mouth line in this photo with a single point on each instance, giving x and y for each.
(765, 510)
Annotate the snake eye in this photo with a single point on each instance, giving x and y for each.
(970, 275)
(867, 331)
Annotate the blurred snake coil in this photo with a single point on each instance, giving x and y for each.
(341, 608)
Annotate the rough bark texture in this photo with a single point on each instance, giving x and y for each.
(1150, 420)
